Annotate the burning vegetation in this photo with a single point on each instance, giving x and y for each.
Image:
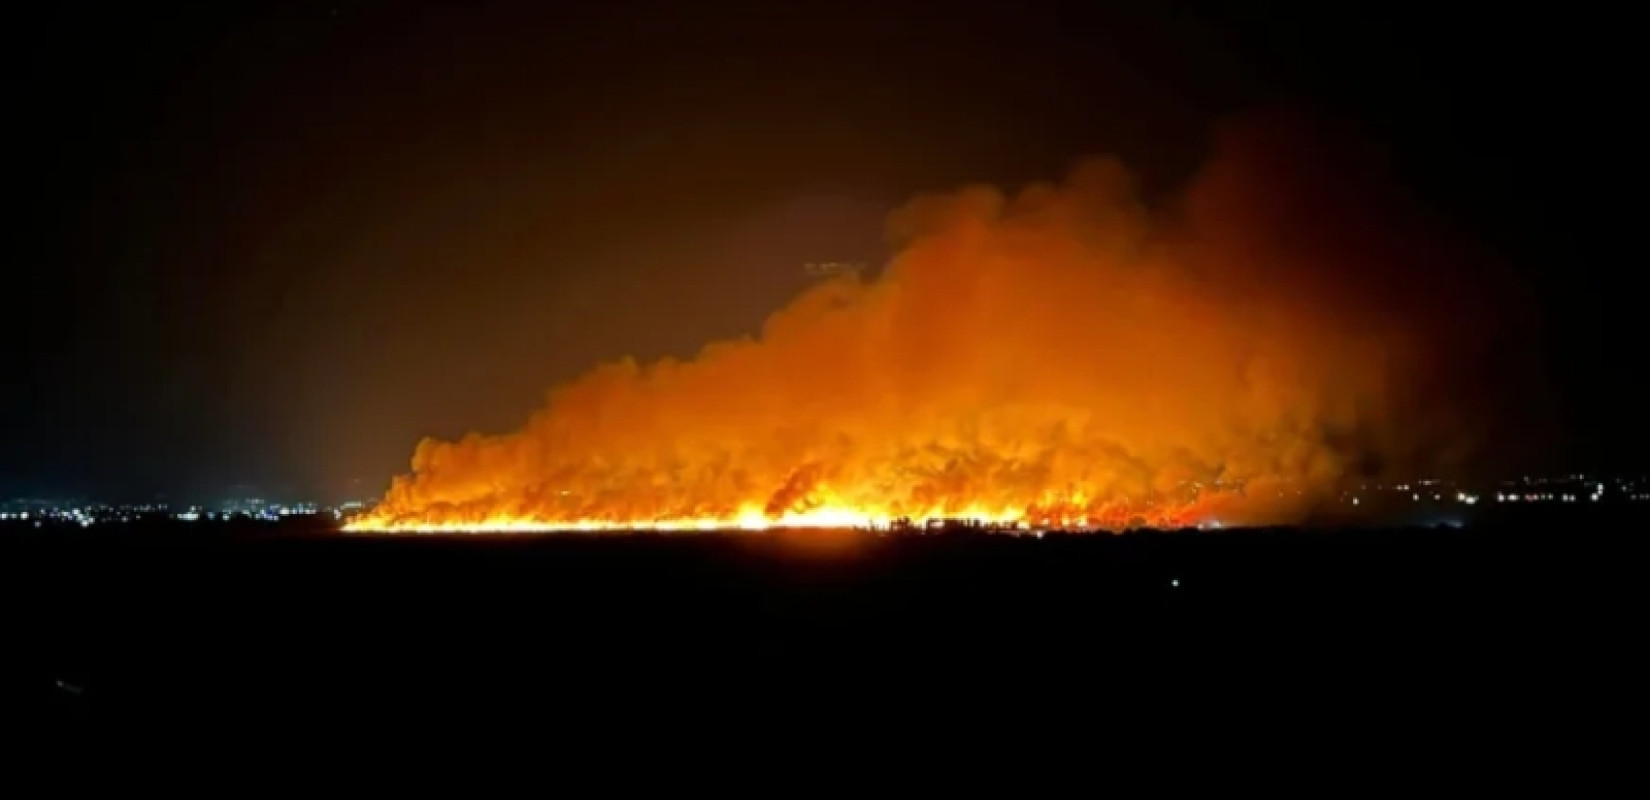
(1059, 356)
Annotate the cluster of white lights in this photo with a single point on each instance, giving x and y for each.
(1508, 497)
(1596, 494)
(89, 515)
(75, 515)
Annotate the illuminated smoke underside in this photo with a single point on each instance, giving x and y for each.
(1057, 357)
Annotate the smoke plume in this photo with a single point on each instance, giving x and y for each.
(1058, 353)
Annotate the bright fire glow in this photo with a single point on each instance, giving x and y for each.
(1056, 358)
(755, 519)
(749, 520)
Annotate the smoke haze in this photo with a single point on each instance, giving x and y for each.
(1052, 353)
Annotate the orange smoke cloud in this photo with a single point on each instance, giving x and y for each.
(1056, 355)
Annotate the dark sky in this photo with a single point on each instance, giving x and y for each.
(278, 243)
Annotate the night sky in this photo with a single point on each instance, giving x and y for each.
(276, 244)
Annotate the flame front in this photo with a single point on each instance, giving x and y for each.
(752, 519)
(756, 520)
(1051, 359)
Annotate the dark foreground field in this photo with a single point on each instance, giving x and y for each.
(135, 625)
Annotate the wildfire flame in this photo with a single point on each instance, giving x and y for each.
(1058, 358)
(752, 519)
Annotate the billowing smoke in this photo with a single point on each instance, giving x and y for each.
(1059, 352)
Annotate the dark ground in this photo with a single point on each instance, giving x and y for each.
(196, 623)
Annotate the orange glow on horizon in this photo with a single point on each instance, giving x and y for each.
(1056, 358)
(754, 520)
